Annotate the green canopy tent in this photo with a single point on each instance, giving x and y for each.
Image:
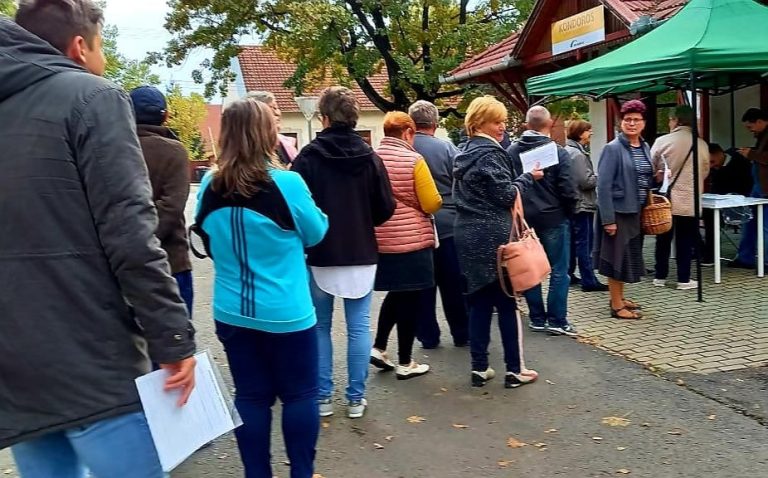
(713, 45)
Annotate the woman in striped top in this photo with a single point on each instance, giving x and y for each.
(625, 177)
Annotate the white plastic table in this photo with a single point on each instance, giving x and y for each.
(718, 202)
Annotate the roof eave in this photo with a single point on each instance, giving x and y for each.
(505, 63)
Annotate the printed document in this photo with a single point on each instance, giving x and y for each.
(180, 431)
(667, 175)
(543, 157)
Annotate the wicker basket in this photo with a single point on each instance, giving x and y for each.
(657, 215)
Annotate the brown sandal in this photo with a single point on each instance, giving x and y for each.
(634, 315)
(629, 305)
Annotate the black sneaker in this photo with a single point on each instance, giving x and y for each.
(514, 380)
(575, 280)
(568, 330)
(479, 379)
(599, 287)
(537, 327)
(737, 264)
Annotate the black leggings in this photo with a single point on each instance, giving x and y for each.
(404, 309)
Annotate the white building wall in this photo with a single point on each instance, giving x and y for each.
(598, 117)
(720, 117)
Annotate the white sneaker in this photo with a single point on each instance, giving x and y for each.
(326, 407)
(514, 380)
(381, 360)
(692, 284)
(404, 372)
(479, 379)
(356, 409)
(659, 282)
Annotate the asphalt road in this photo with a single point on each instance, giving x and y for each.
(705, 426)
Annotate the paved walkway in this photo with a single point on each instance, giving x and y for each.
(728, 331)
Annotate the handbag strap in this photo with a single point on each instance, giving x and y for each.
(677, 176)
(500, 269)
(519, 225)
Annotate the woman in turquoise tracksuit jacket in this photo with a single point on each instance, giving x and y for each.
(256, 220)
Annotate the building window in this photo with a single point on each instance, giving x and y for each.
(366, 135)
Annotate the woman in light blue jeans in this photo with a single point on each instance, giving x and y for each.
(357, 311)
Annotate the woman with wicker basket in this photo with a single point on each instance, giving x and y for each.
(624, 180)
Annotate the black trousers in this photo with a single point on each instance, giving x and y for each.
(448, 279)
(401, 308)
(685, 232)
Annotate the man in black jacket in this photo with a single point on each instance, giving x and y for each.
(87, 298)
(549, 204)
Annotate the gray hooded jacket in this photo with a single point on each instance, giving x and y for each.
(86, 296)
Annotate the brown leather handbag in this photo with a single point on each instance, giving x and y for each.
(522, 262)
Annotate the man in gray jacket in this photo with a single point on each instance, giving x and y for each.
(87, 298)
(439, 155)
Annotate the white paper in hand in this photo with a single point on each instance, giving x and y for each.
(180, 431)
(667, 175)
(543, 157)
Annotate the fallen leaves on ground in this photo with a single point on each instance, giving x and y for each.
(588, 340)
(378, 446)
(550, 382)
(623, 471)
(460, 426)
(389, 438)
(505, 463)
(416, 419)
(8, 471)
(326, 424)
(675, 432)
(597, 438)
(443, 389)
(621, 448)
(513, 442)
(616, 421)
(317, 475)
(551, 430)
(711, 417)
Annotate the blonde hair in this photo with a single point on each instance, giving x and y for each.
(248, 142)
(482, 110)
(396, 123)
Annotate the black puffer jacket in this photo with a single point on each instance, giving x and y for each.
(484, 192)
(551, 200)
(85, 286)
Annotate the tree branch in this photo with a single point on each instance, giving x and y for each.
(463, 12)
(426, 48)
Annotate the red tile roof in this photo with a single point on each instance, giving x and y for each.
(498, 55)
(263, 71)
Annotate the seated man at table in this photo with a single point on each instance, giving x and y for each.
(756, 121)
(728, 174)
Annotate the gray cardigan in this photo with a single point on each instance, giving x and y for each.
(584, 175)
(617, 189)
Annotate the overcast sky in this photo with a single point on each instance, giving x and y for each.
(140, 23)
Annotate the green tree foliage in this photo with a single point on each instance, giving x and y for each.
(127, 73)
(185, 113)
(347, 40)
(8, 7)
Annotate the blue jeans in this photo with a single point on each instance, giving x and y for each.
(582, 239)
(448, 279)
(556, 242)
(120, 446)
(748, 244)
(358, 316)
(266, 366)
(481, 305)
(184, 280)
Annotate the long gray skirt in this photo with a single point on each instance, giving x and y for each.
(620, 257)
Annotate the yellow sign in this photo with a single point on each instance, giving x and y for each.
(580, 30)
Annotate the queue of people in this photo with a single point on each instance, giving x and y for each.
(288, 233)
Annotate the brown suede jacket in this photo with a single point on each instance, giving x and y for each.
(168, 165)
